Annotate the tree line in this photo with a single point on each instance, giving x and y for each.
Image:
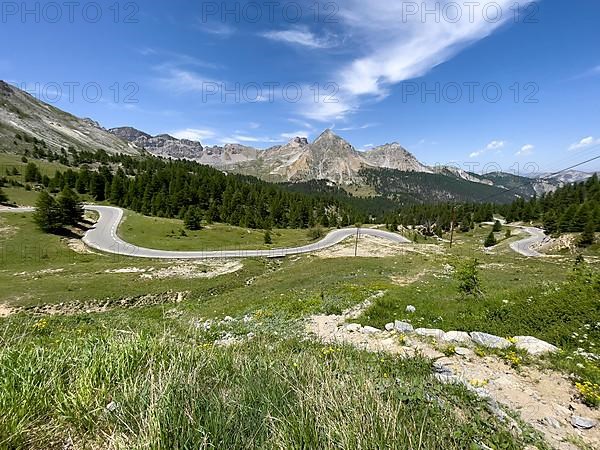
(574, 208)
(190, 191)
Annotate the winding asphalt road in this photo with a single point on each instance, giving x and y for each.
(537, 236)
(104, 237)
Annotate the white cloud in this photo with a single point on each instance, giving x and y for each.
(358, 127)
(526, 150)
(253, 125)
(181, 80)
(394, 46)
(194, 134)
(299, 36)
(216, 29)
(293, 134)
(494, 145)
(584, 143)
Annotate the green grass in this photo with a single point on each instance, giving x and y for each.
(10, 160)
(182, 392)
(174, 389)
(21, 196)
(166, 234)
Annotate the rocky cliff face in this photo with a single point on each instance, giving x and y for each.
(23, 114)
(394, 156)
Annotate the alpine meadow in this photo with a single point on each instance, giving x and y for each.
(300, 225)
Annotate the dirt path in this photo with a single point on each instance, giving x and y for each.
(544, 399)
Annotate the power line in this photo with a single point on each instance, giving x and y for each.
(508, 191)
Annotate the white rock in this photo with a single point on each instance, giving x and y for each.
(411, 309)
(353, 327)
(403, 327)
(583, 423)
(429, 332)
(534, 346)
(551, 422)
(457, 336)
(489, 340)
(389, 326)
(228, 319)
(112, 406)
(461, 351)
(370, 330)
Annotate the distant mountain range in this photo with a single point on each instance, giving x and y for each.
(388, 170)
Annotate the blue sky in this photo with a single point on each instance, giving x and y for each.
(371, 70)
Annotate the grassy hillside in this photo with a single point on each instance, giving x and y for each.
(169, 234)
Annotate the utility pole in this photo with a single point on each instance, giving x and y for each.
(356, 242)
(452, 226)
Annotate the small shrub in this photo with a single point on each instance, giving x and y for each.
(450, 350)
(316, 233)
(267, 238)
(467, 275)
(490, 241)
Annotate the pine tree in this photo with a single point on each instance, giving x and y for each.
(588, 237)
(3, 197)
(490, 241)
(47, 213)
(32, 173)
(193, 218)
(268, 239)
(70, 207)
(497, 226)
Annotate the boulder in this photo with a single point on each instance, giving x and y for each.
(489, 340)
(353, 327)
(459, 337)
(403, 327)
(583, 423)
(411, 309)
(534, 346)
(370, 330)
(389, 326)
(429, 332)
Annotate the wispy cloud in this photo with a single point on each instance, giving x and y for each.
(394, 47)
(526, 150)
(494, 145)
(593, 72)
(357, 127)
(195, 134)
(182, 81)
(584, 143)
(300, 36)
(294, 134)
(216, 29)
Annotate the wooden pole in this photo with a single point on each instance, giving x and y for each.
(452, 226)
(356, 243)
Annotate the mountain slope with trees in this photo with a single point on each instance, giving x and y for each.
(572, 208)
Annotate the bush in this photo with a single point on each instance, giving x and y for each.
(267, 238)
(3, 197)
(490, 241)
(316, 233)
(467, 275)
(497, 226)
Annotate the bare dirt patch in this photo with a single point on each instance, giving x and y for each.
(5, 311)
(544, 399)
(78, 246)
(187, 269)
(375, 247)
